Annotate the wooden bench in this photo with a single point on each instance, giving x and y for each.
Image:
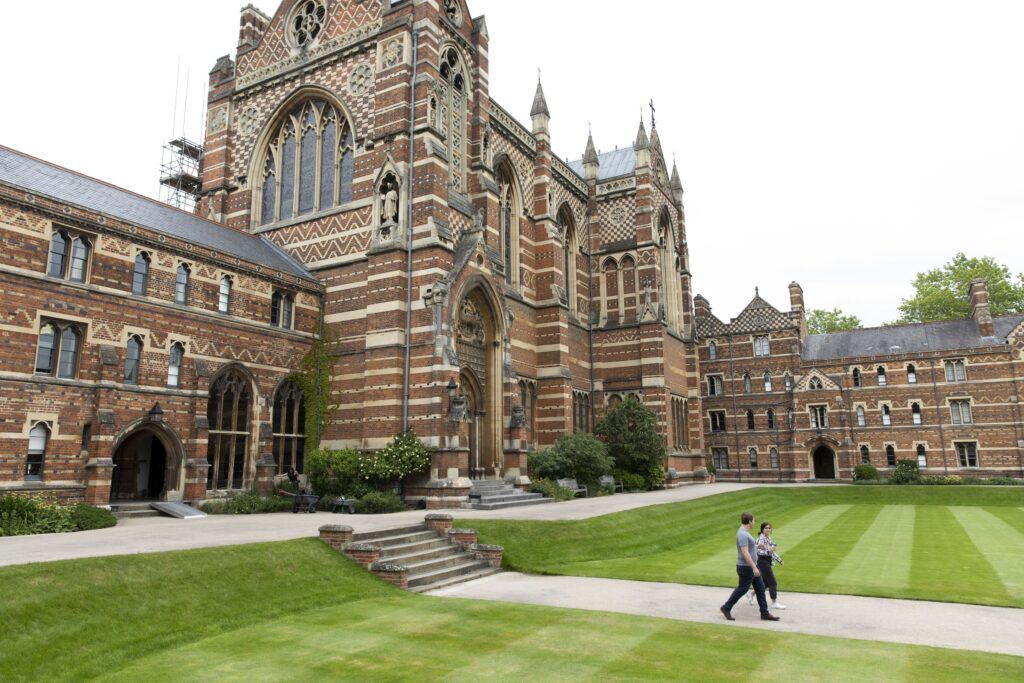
(574, 487)
(609, 480)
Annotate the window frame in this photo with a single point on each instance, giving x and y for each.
(181, 288)
(720, 457)
(72, 239)
(955, 370)
(140, 280)
(751, 422)
(224, 297)
(773, 456)
(916, 417)
(718, 417)
(752, 455)
(133, 366)
(880, 374)
(767, 377)
(818, 415)
(715, 385)
(886, 411)
(174, 370)
(911, 373)
(861, 414)
(890, 455)
(966, 451)
(922, 456)
(857, 380)
(40, 460)
(865, 454)
(712, 351)
(958, 415)
(57, 351)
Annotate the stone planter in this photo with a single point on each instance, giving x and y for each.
(439, 522)
(395, 574)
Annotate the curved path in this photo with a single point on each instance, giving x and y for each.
(937, 624)
(160, 534)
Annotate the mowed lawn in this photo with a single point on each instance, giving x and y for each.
(950, 544)
(299, 611)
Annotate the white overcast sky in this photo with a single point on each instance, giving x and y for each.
(845, 145)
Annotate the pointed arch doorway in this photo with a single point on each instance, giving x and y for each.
(478, 346)
(148, 460)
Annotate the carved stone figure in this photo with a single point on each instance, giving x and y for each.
(471, 324)
(389, 201)
(518, 418)
(457, 408)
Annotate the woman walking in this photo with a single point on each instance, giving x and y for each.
(766, 557)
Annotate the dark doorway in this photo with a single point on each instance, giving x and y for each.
(140, 469)
(824, 463)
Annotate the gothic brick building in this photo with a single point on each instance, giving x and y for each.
(473, 286)
(783, 405)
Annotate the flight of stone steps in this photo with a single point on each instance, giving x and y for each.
(498, 494)
(418, 558)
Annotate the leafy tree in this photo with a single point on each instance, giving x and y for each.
(945, 293)
(579, 456)
(821, 321)
(630, 431)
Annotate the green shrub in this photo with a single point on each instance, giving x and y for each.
(335, 473)
(710, 467)
(248, 503)
(580, 457)
(378, 503)
(86, 517)
(1002, 481)
(24, 516)
(906, 472)
(404, 456)
(550, 489)
(630, 481)
(948, 480)
(630, 431)
(865, 473)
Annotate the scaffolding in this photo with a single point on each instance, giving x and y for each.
(179, 173)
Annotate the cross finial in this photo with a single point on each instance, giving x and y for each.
(757, 291)
(652, 113)
(538, 74)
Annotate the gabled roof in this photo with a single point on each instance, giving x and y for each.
(613, 164)
(48, 180)
(950, 335)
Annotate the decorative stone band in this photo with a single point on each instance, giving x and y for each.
(439, 522)
(491, 553)
(336, 535)
(462, 537)
(364, 553)
(395, 574)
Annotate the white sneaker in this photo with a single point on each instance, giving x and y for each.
(750, 598)
(777, 605)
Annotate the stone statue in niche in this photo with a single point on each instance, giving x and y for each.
(457, 408)
(387, 195)
(432, 112)
(518, 419)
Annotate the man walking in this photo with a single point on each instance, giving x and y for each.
(747, 571)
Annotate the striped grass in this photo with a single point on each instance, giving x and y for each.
(878, 541)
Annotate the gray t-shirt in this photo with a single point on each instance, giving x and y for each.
(743, 538)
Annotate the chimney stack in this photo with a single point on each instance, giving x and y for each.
(796, 307)
(252, 26)
(980, 311)
(701, 308)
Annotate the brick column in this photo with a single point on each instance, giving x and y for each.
(336, 535)
(265, 468)
(491, 553)
(98, 473)
(464, 538)
(363, 553)
(439, 522)
(195, 479)
(395, 574)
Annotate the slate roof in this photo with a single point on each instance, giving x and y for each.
(613, 164)
(45, 179)
(903, 339)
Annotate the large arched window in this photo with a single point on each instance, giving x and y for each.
(228, 412)
(453, 95)
(570, 247)
(309, 163)
(289, 421)
(508, 221)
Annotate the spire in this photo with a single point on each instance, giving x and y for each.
(591, 164)
(641, 138)
(540, 104)
(655, 138)
(677, 184)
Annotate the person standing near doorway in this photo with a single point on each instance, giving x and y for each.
(766, 557)
(747, 571)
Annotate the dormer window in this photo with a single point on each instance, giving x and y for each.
(815, 384)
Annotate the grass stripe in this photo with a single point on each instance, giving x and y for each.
(1012, 516)
(812, 560)
(1001, 544)
(881, 557)
(944, 551)
(790, 534)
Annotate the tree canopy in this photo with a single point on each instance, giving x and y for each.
(944, 293)
(820, 321)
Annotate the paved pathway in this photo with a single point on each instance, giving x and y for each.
(956, 626)
(159, 534)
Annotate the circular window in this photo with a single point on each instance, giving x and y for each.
(307, 22)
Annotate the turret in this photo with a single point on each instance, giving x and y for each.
(642, 146)
(591, 164)
(539, 112)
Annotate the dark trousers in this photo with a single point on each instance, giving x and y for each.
(764, 565)
(746, 576)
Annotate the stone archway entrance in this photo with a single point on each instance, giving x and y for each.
(143, 469)
(824, 463)
(478, 346)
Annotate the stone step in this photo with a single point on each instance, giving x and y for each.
(413, 548)
(401, 540)
(451, 581)
(510, 504)
(398, 555)
(425, 566)
(467, 567)
(374, 536)
(491, 487)
(136, 514)
(510, 497)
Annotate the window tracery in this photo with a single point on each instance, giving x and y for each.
(309, 163)
(452, 115)
(288, 423)
(228, 412)
(307, 23)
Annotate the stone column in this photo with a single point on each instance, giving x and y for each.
(98, 473)
(265, 468)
